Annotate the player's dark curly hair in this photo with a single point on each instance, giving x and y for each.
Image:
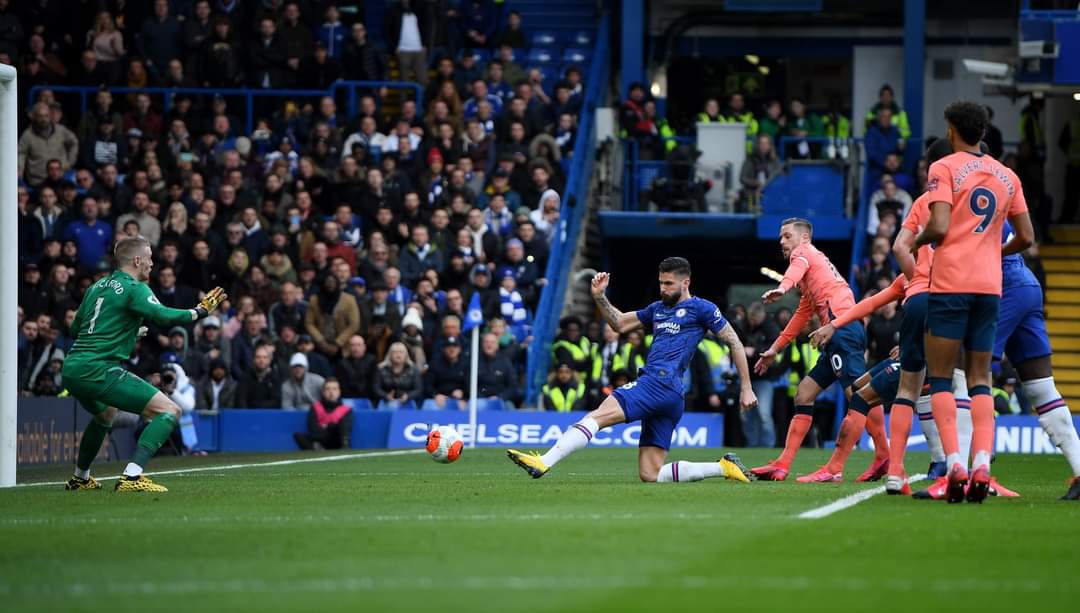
(968, 119)
(679, 266)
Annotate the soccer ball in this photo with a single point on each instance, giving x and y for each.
(444, 444)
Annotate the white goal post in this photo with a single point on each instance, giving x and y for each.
(9, 272)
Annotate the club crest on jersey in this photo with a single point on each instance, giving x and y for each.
(680, 313)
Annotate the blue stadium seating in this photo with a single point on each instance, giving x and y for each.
(542, 55)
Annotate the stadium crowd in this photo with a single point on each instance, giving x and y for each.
(350, 246)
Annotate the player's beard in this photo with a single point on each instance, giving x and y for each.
(670, 300)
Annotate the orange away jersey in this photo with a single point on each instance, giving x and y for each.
(982, 193)
(828, 291)
(915, 222)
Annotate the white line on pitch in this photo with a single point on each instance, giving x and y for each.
(849, 501)
(181, 471)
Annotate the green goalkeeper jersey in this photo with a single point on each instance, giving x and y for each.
(107, 323)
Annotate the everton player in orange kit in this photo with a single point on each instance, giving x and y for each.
(971, 194)
(827, 293)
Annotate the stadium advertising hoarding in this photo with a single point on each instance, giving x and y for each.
(541, 429)
(50, 429)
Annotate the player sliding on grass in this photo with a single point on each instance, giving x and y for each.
(105, 329)
(824, 290)
(679, 321)
(971, 194)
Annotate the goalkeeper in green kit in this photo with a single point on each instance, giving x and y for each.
(105, 329)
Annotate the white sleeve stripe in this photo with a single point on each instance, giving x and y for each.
(806, 261)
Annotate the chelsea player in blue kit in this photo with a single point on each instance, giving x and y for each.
(679, 321)
(1021, 336)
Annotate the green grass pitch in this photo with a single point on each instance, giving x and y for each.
(401, 533)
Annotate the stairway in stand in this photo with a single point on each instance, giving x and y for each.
(1061, 260)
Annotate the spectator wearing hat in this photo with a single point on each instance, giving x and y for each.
(302, 388)
(216, 390)
(33, 294)
(398, 380)
(211, 343)
(481, 282)
(447, 375)
(546, 217)
(565, 392)
(512, 304)
(356, 370)
(317, 362)
(329, 422)
(357, 286)
(412, 334)
(260, 386)
(526, 273)
(104, 146)
(195, 363)
(332, 317)
(418, 256)
(377, 305)
(496, 377)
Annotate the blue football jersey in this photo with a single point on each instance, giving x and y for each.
(677, 330)
(1014, 271)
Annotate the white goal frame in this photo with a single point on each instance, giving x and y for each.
(9, 272)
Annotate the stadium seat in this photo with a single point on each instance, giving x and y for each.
(396, 406)
(429, 405)
(482, 55)
(546, 38)
(516, 55)
(542, 55)
(575, 55)
(582, 67)
(359, 404)
(551, 75)
(581, 38)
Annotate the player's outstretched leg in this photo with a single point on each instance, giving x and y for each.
(729, 467)
(164, 415)
(875, 427)
(575, 438)
(93, 437)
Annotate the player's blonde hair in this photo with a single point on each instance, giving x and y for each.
(799, 223)
(128, 249)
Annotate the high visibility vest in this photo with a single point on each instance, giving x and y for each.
(718, 357)
(666, 134)
(899, 120)
(629, 359)
(703, 117)
(555, 398)
(1036, 130)
(800, 353)
(579, 352)
(841, 129)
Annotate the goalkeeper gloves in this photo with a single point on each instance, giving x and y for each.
(210, 302)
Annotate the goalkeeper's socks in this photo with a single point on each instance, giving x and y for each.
(151, 439)
(576, 437)
(89, 446)
(682, 471)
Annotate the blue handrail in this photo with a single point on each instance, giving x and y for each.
(249, 94)
(571, 218)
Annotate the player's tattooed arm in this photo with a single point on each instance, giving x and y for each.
(619, 321)
(730, 338)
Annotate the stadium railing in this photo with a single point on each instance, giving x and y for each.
(351, 89)
(570, 219)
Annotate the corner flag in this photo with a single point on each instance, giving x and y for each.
(474, 316)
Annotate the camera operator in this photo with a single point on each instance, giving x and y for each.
(175, 385)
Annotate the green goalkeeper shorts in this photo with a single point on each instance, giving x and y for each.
(98, 388)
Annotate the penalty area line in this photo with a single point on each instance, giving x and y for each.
(218, 467)
(849, 501)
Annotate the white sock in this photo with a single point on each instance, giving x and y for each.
(964, 427)
(1055, 418)
(132, 470)
(682, 471)
(982, 458)
(576, 437)
(82, 474)
(929, 428)
(953, 459)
